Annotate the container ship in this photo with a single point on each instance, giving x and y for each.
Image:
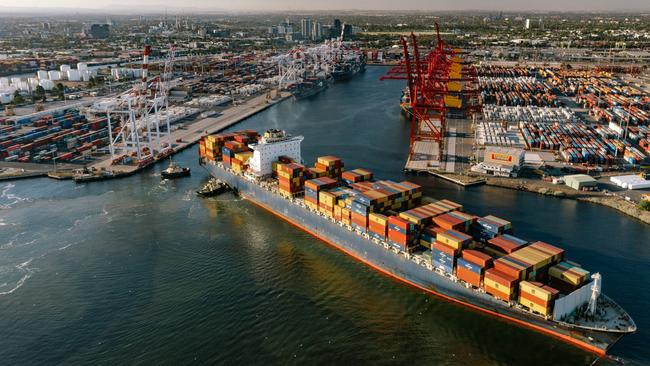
(309, 87)
(346, 69)
(428, 243)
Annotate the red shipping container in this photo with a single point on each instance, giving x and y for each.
(477, 257)
(501, 278)
(377, 228)
(468, 276)
(398, 237)
(399, 222)
(509, 270)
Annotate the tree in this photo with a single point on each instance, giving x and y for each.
(39, 93)
(18, 98)
(644, 205)
(60, 91)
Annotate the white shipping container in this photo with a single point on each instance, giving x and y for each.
(42, 74)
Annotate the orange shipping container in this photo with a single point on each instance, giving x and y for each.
(468, 276)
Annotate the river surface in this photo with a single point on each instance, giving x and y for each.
(141, 271)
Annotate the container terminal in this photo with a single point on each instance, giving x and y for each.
(428, 243)
(121, 134)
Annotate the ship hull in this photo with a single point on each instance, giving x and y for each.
(405, 269)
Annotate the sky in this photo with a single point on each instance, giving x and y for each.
(298, 5)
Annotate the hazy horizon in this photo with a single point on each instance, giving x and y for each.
(149, 6)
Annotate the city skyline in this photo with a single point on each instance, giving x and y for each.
(380, 5)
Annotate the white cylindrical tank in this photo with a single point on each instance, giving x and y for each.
(33, 82)
(73, 75)
(64, 69)
(47, 84)
(24, 86)
(42, 74)
(54, 75)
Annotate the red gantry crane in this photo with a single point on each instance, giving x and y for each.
(438, 85)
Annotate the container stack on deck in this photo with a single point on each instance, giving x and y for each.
(479, 251)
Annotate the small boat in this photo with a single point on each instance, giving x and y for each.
(212, 188)
(174, 171)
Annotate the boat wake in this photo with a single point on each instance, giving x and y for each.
(25, 272)
(7, 199)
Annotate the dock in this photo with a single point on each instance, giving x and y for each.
(191, 134)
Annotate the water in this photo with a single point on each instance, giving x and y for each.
(140, 271)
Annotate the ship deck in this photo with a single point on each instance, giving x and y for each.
(416, 270)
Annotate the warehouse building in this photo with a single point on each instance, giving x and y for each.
(580, 182)
(501, 161)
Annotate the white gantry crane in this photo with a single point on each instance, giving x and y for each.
(300, 63)
(144, 131)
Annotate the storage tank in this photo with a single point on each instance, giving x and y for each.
(6, 97)
(47, 84)
(73, 75)
(54, 75)
(42, 74)
(33, 83)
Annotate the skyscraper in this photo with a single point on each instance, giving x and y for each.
(316, 31)
(306, 28)
(337, 28)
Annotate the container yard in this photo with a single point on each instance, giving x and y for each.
(588, 116)
(431, 243)
(63, 136)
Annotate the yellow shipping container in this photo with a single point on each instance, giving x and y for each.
(498, 286)
(378, 218)
(455, 76)
(327, 198)
(326, 211)
(244, 156)
(452, 101)
(311, 205)
(535, 307)
(538, 292)
(559, 273)
(454, 86)
(449, 240)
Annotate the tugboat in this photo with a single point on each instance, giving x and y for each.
(212, 188)
(174, 171)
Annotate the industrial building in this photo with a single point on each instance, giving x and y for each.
(580, 182)
(501, 161)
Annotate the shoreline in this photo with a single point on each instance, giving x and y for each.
(614, 202)
(188, 137)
